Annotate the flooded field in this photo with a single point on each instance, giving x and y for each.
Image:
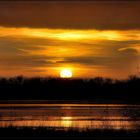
(71, 116)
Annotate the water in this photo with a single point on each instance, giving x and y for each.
(71, 116)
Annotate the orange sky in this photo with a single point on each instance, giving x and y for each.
(99, 42)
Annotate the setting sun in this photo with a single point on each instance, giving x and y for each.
(66, 73)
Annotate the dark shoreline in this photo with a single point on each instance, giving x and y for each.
(114, 102)
(45, 132)
(97, 90)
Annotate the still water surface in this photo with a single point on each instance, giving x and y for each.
(71, 116)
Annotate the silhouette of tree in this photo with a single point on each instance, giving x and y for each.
(96, 89)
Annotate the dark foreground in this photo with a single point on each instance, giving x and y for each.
(43, 133)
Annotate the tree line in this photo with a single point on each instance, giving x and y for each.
(95, 89)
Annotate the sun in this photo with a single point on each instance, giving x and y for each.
(66, 73)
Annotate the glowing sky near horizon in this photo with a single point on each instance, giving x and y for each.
(35, 48)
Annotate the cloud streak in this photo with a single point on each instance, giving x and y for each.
(43, 51)
(111, 15)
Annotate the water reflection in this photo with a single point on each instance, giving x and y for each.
(72, 117)
(66, 122)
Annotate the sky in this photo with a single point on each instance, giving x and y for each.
(91, 38)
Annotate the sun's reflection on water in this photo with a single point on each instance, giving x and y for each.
(66, 118)
(66, 121)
